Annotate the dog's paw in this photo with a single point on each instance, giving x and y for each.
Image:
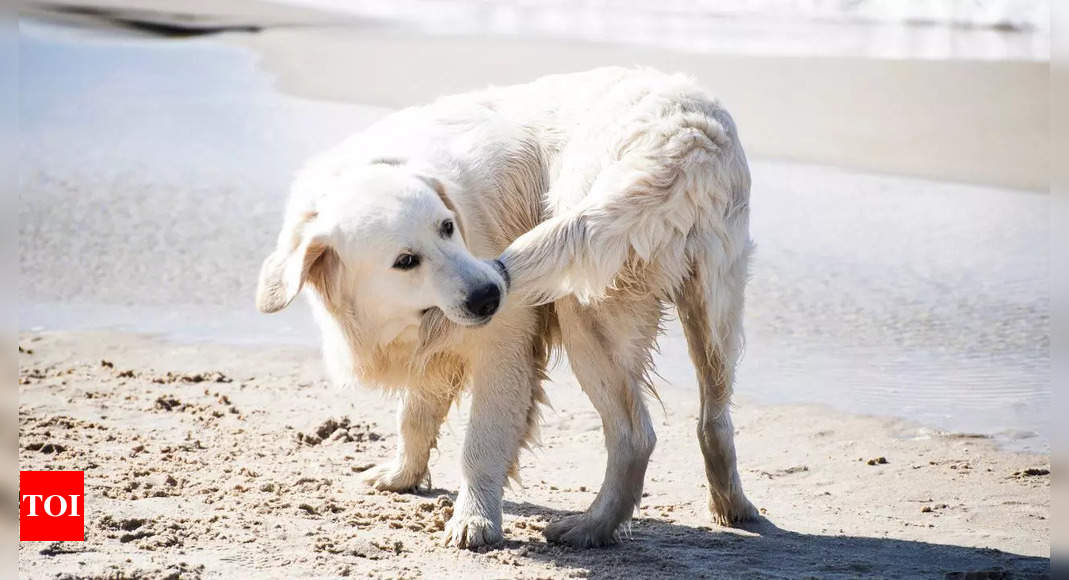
(391, 477)
(471, 531)
(730, 510)
(582, 531)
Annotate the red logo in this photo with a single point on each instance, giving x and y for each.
(51, 506)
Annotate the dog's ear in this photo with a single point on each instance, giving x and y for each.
(283, 273)
(287, 268)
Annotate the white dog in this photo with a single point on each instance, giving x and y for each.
(453, 246)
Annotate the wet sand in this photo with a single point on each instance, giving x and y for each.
(916, 117)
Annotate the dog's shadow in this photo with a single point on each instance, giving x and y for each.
(661, 549)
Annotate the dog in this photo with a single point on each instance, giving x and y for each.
(455, 246)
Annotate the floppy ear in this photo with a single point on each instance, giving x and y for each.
(284, 272)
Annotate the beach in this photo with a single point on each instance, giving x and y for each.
(890, 407)
(221, 461)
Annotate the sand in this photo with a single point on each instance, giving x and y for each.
(915, 117)
(217, 461)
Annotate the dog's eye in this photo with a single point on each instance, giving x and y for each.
(406, 262)
(447, 228)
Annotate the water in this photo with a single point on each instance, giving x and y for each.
(928, 29)
(154, 173)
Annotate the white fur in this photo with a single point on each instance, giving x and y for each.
(605, 196)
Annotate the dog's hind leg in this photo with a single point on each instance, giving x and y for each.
(419, 417)
(710, 305)
(608, 345)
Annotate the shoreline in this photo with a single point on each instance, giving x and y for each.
(198, 443)
(295, 330)
(934, 127)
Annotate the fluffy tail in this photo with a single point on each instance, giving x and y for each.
(669, 178)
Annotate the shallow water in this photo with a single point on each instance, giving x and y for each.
(154, 173)
(924, 29)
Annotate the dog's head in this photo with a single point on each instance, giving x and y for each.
(379, 243)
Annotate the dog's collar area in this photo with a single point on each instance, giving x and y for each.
(501, 269)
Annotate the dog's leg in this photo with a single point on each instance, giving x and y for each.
(609, 348)
(710, 307)
(419, 416)
(502, 393)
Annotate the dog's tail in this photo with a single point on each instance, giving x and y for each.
(684, 171)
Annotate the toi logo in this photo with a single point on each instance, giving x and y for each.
(51, 506)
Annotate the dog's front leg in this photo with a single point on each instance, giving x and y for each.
(419, 416)
(502, 394)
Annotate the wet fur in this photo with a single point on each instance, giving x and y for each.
(606, 197)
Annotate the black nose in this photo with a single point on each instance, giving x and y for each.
(484, 300)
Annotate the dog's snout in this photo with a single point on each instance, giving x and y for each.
(484, 300)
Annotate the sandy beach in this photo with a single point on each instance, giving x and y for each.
(219, 461)
(214, 447)
(915, 116)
